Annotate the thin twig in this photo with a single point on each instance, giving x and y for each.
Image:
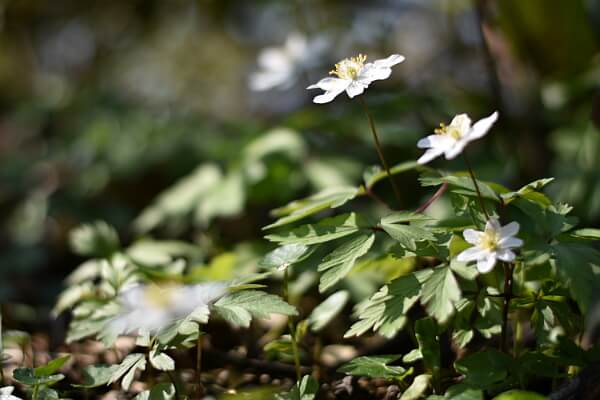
(292, 327)
(487, 217)
(380, 150)
(508, 280)
(433, 198)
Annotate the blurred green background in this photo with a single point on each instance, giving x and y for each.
(106, 104)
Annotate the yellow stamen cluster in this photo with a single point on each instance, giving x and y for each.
(160, 296)
(349, 68)
(489, 240)
(451, 131)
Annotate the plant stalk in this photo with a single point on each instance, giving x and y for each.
(481, 204)
(380, 150)
(292, 327)
(508, 281)
(199, 362)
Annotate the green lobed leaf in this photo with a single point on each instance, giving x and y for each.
(323, 231)
(239, 307)
(328, 310)
(340, 261)
(519, 395)
(406, 235)
(299, 209)
(578, 266)
(52, 366)
(306, 389)
(464, 185)
(161, 391)
(374, 367)
(417, 388)
(440, 293)
(127, 369)
(27, 376)
(426, 332)
(371, 178)
(97, 239)
(180, 199)
(284, 256)
(225, 199)
(485, 368)
(160, 360)
(96, 375)
(385, 312)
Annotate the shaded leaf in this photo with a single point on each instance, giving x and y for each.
(440, 294)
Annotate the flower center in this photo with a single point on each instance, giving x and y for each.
(160, 296)
(349, 68)
(489, 240)
(451, 131)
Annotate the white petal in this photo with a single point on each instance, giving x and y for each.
(425, 142)
(456, 149)
(331, 84)
(429, 155)
(506, 255)
(371, 73)
(472, 236)
(462, 122)
(510, 229)
(296, 44)
(510, 242)
(389, 61)
(472, 254)
(327, 96)
(266, 80)
(493, 225)
(441, 142)
(485, 265)
(481, 127)
(354, 89)
(273, 58)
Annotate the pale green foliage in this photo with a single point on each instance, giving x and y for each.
(239, 308)
(339, 262)
(327, 310)
(374, 367)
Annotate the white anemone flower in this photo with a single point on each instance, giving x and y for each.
(354, 76)
(451, 140)
(280, 67)
(6, 393)
(150, 308)
(493, 244)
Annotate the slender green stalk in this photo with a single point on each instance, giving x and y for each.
(172, 379)
(35, 394)
(481, 204)
(292, 327)
(199, 362)
(379, 149)
(1, 352)
(508, 281)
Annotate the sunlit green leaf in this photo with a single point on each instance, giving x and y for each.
(374, 367)
(338, 263)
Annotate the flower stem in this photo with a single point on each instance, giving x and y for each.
(379, 149)
(199, 362)
(508, 281)
(292, 327)
(487, 217)
(433, 198)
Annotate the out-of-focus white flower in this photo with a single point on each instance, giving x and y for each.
(281, 66)
(6, 393)
(451, 140)
(354, 76)
(493, 244)
(151, 307)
